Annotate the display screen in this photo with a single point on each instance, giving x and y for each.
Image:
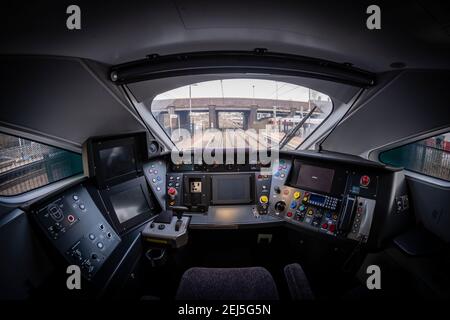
(231, 189)
(316, 198)
(129, 203)
(315, 178)
(117, 161)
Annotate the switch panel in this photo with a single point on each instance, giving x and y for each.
(155, 173)
(78, 230)
(362, 219)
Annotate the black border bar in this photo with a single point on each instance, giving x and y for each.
(259, 61)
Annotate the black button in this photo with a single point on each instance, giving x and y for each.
(161, 226)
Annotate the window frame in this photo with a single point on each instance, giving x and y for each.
(69, 178)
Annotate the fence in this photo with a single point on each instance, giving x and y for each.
(28, 167)
(429, 160)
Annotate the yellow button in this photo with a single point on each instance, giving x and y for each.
(263, 199)
(305, 199)
(297, 195)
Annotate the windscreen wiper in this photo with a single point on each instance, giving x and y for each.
(293, 132)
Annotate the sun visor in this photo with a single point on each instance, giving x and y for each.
(62, 99)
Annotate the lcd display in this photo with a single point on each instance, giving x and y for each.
(231, 189)
(129, 203)
(117, 161)
(315, 178)
(317, 198)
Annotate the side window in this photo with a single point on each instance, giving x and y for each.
(26, 165)
(429, 156)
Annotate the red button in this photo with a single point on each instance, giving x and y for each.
(364, 181)
(289, 214)
(332, 228)
(172, 191)
(324, 225)
(71, 218)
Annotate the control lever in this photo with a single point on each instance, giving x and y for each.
(346, 218)
(178, 211)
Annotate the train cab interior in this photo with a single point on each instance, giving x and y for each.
(235, 150)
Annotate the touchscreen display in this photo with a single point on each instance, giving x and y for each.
(117, 161)
(315, 178)
(129, 203)
(231, 189)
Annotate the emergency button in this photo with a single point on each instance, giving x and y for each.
(172, 191)
(365, 180)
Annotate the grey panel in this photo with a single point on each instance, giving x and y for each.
(431, 204)
(59, 97)
(413, 103)
(155, 174)
(230, 217)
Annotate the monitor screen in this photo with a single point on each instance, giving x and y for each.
(231, 189)
(117, 161)
(315, 178)
(129, 203)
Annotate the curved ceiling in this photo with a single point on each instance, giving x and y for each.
(416, 33)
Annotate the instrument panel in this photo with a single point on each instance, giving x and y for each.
(323, 199)
(319, 196)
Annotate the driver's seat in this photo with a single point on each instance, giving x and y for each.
(253, 283)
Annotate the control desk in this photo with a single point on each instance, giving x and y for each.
(320, 196)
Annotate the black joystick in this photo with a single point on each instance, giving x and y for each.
(178, 211)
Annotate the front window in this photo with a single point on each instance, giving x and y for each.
(240, 112)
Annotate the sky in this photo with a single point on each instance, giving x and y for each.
(242, 88)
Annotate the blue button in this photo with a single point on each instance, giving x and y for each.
(158, 178)
(293, 204)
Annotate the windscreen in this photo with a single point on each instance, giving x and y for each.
(250, 113)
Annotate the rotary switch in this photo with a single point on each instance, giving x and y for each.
(280, 206)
